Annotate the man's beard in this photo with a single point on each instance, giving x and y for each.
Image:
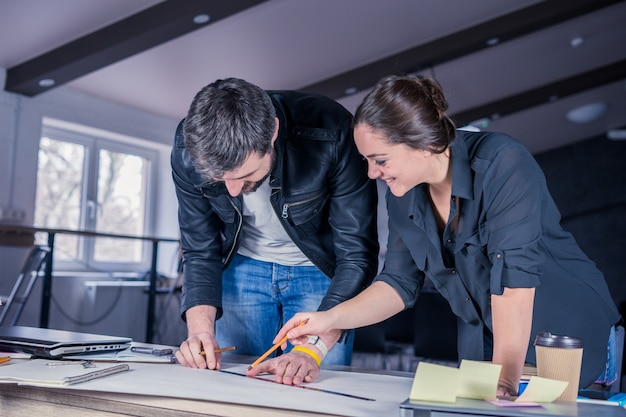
(251, 187)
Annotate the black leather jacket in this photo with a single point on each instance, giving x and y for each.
(320, 192)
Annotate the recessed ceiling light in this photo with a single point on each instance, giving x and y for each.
(587, 113)
(616, 134)
(576, 41)
(493, 41)
(46, 82)
(350, 90)
(200, 19)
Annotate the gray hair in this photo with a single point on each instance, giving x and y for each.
(228, 120)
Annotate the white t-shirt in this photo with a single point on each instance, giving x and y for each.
(262, 236)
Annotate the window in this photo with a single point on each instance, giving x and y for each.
(98, 184)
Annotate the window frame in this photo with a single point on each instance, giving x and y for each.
(95, 140)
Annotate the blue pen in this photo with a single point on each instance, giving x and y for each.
(522, 386)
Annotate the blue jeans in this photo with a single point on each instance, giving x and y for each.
(609, 375)
(258, 297)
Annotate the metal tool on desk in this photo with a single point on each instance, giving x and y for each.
(84, 363)
(151, 351)
(71, 380)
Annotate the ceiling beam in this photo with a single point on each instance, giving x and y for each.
(132, 35)
(504, 28)
(544, 94)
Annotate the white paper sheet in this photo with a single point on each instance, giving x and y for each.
(177, 381)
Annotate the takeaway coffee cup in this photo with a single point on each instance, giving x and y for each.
(560, 358)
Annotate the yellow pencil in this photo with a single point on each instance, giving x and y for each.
(273, 348)
(220, 350)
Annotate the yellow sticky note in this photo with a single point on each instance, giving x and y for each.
(542, 390)
(434, 383)
(478, 380)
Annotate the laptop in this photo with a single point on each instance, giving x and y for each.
(49, 343)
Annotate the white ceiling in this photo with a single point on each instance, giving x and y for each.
(292, 44)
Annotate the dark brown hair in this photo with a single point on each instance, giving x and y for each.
(408, 110)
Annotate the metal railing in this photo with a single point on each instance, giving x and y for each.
(23, 233)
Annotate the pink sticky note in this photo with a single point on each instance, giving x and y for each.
(508, 403)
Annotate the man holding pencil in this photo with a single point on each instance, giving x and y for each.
(276, 216)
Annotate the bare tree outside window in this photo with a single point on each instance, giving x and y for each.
(87, 183)
(60, 192)
(121, 206)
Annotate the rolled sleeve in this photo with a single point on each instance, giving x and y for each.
(515, 188)
(503, 276)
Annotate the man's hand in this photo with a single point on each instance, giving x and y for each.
(291, 368)
(198, 351)
(200, 327)
(296, 367)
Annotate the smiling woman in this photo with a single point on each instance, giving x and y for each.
(401, 167)
(471, 213)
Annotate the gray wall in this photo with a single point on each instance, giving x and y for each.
(20, 129)
(588, 183)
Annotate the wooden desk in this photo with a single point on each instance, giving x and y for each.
(19, 401)
(107, 399)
